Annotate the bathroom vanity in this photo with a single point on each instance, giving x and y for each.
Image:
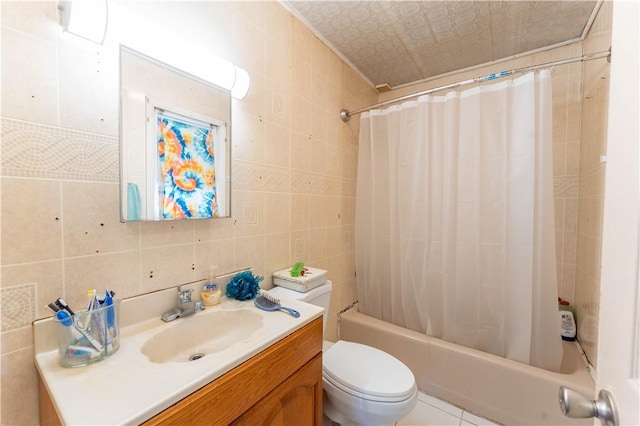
(280, 385)
(272, 376)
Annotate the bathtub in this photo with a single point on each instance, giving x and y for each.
(489, 386)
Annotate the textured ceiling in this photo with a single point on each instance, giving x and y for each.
(398, 42)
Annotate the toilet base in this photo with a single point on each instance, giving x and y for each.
(331, 412)
(334, 417)
(326, 421)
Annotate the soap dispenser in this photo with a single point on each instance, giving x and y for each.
(211, 290)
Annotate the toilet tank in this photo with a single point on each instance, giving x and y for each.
(319, 296)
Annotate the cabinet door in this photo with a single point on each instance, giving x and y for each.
(297, 401)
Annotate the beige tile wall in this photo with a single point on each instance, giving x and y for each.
(294, 169)
(592, 171)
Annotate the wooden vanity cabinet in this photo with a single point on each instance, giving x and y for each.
(281, 385)
(295, 402)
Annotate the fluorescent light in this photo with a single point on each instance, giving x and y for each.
(174, 51)
(204, 66)
(85, 18)
(88, 19)
(241, 84)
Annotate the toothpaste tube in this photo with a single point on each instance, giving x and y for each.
(81, 351)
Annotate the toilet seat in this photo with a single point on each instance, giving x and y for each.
(367, 372)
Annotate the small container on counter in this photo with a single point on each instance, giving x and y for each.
(88, 337)
(211, 292)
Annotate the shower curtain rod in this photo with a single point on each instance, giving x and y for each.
(346, 115)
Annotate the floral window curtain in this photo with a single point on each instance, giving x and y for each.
(187, 181)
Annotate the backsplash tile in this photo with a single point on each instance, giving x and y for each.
(40, 151)
(220, 253)
(250, 253)
(164, 267)
(119, 271)
(277, 251)
(46, 276)
(18, 308)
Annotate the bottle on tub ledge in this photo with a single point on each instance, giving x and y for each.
(211, 290)
(568, 329)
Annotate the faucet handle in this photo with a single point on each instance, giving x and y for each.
(184, 295)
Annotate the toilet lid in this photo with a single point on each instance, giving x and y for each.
(361, 369)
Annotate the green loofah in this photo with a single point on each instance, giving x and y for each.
(244, 286)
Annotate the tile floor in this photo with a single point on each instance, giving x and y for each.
(430, 411)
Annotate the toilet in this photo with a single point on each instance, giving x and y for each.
(362, 385)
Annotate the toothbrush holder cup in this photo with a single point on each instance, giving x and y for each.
(88, 337)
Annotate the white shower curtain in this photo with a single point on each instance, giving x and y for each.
(454, 225)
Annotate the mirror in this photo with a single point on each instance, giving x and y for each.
(175, 139)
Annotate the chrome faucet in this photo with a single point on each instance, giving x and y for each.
(185, 307)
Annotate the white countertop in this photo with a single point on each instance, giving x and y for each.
(127, 388)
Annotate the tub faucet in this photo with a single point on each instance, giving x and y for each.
(185, 306)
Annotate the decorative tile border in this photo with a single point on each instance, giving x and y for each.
(311, 183)
(258, 177)
(18, 306)
(41, 151)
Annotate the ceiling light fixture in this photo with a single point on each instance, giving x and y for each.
(183, 56)
(88, 19)
(204, 66)
(85, 18)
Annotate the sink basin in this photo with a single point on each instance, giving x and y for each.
(191, 338)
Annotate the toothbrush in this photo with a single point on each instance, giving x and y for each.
(63, 305)
(64, 318)
(53, 307)
(97, 345)
(108, 301)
